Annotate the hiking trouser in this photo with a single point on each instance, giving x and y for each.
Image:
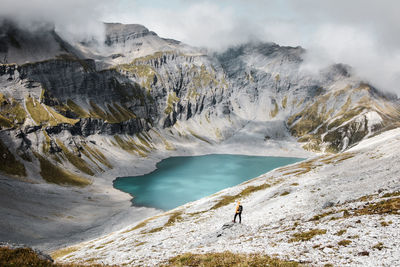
(240, 217)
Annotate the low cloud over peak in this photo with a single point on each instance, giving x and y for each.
(73, 19)
(360, 33)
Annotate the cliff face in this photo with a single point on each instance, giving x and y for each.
(253, 83)
(327, 112)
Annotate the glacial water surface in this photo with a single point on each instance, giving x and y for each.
(179, 180)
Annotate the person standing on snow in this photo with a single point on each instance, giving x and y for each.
(239, 209)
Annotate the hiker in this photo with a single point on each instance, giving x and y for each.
(239, 209)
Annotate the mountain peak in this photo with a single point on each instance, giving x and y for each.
(122, 33)
(126, 29)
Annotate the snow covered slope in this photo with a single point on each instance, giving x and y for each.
(340, 209)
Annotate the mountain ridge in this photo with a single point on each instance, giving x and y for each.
(88, 119)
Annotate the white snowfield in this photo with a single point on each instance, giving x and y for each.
(328, 209)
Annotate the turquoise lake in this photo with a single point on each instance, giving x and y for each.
(179, 180)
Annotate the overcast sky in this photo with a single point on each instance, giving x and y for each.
(362, 33)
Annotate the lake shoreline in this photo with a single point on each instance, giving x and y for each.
(114, 210)
(209, 173)
(285, 204)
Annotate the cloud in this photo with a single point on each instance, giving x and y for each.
(198, 23)
(357, 47)
(361, 33)
(73, 19)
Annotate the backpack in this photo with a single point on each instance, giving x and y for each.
(240, 209)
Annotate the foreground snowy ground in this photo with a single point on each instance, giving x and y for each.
(333, 209)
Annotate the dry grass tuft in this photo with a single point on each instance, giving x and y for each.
(43, 114)
(171, 101)
(141, 224)
(284, 102)
(344, 242)
(383, 206)
(201, 138)
(21, 257)
(228, 259)
(9, 164)
(98, 155)
(378, 246)
(131, 146)
(305, 236)
(393, 194)
(63, 252)
(275, 111)
(140, 244)
(77, 109)
(11, 112)
(78, 162)
(57, 175)
(138, 226)
(308, 165)
(341, 232)
(176, 216)
(389, 206)
(26, 257)
(322, 215)
(226, 200)
(301, 167)
(338, 158)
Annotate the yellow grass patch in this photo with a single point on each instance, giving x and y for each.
(9, 164)
(228, 259)
(58, 175)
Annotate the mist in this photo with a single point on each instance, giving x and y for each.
(73, 19)
(361, 33)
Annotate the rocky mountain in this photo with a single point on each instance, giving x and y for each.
(74, 116)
